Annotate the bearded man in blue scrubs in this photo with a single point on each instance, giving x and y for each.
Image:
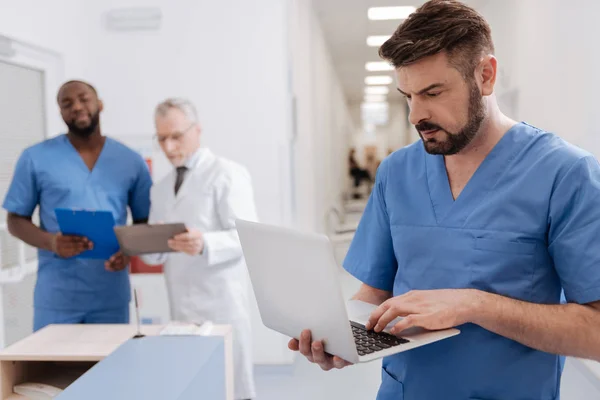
(81, 169)
(480, 225)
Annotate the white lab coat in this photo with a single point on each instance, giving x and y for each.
(211, 286)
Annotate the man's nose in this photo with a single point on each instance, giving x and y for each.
(418, 112)
(169, 145)
(77, 106)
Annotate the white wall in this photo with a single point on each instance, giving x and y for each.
(228, 57)
(545, 51)
(324, 124)
(55, 25)
(52, 38)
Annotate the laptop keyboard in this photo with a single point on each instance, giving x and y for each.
(368, 342)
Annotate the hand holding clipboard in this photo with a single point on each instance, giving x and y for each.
(92, 230)
(67, 246)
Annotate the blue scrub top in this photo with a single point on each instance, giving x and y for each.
(526, 226)
(53, 175)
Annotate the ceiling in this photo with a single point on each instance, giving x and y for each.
(346, 27)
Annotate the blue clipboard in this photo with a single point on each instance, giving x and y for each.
(97, 226)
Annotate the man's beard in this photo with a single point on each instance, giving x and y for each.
(455, 142)
(85, 132)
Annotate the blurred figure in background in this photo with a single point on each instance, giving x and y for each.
(358, 175)
(372, 162)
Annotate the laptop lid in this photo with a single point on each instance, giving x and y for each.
(295, 280)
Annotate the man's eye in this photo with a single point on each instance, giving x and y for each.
(433, 94)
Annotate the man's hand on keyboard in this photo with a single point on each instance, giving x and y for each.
(315, 353)
(429, 309)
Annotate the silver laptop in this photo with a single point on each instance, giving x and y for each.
(296, 282)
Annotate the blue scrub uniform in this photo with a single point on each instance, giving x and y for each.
(53, 175)
(526, 226)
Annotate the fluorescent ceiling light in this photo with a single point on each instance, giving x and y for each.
(377, 90)
(378, 80)
(379, 106)
(375, 98)
(374, 113)
(377, 66)
(383, 13)
(376, 41)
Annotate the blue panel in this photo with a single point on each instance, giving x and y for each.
(156, 368)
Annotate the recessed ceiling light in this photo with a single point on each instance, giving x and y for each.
(375, 98)
(378, 80)
(377, 90)
(376, 41)
(376, 66)
(383, 13)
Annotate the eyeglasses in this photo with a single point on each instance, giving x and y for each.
(175, 136)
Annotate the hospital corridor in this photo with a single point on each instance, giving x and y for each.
(299, 200)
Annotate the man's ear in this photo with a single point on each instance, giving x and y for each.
(487, 72)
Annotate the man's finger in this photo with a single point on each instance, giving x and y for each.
(376, 314)
(340, 363)
(69, 252)
(109, 265)
(387, 317)
(191, 249)
(304, 346)
(174, 245)
(72, 245)
(72, 239)
(177, 244)
(319, 356)
(408, 322)
(77, 247)
(187, 248)
(183, 236)
(294, 345)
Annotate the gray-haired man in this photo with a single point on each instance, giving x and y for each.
(206, 276)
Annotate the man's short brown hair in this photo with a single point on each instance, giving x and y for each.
(441, 26)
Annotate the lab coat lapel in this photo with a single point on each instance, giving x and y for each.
(201, 159)
(169, 193)
(184, 186)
